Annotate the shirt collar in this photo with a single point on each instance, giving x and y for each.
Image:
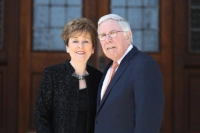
(127, 50)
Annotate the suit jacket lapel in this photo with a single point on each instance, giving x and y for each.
(100, 85)
(116, 77)
(122, 67)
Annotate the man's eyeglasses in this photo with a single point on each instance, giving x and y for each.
(111, 34)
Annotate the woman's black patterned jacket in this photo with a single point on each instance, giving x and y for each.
(57, 102)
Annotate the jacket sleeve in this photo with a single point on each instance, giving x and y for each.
(149, 98)
(43, 107)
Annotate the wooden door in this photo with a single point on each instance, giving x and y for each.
(187, 67)
(9, 65)
(32, 63)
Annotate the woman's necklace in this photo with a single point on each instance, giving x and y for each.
(80, 77)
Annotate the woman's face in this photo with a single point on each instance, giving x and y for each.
(80, 47)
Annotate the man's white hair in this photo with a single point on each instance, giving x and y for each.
(121, 21)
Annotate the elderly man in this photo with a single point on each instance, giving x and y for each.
(130, 96)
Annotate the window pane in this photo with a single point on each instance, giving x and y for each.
(135, 2)
(57, 2)
(119, 11)
(135, 18)
(195, 42)
(41, 2)
(150, 18)
(1, 24)
(72, 13)
(143, 17)
(49, 19)
(137, 34)
(41, 39)
(41, 18)
(117, 3)
(150, 38)
(148, 3)
(74, 2)
(194, 30)
(57, 16)
(55, 35)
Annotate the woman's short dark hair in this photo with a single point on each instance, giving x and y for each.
(80, 25)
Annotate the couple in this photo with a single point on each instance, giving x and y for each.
(76, 98)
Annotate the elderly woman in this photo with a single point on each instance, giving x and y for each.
(66, 101)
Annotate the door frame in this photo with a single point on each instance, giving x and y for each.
(164, 57)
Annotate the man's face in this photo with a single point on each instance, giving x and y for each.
(115, 47)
